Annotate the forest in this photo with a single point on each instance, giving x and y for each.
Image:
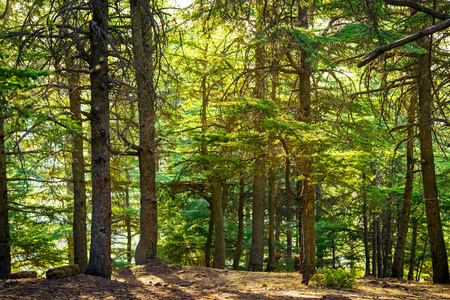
(257, 135)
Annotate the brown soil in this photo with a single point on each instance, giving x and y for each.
(160, 280)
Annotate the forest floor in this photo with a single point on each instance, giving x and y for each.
(160, 280)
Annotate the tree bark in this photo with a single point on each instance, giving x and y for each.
(209, 238)
(79, 182)
(144, 57)
(240, 237)
(308, 246)
(5, 253)
(435, 233)
(219, 253)
(128, 223)
(257, 246)
(100, 251)
(412, 259)
(397, 264)
(366, 235)
(271, 263)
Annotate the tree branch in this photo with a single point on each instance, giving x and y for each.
(437, 14)
(424, 32)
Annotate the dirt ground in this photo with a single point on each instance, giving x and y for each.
(160, 280)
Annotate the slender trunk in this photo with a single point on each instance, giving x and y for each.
(412, 259)
(257, 246)
(219, 253)
(144, 53)
(271, 262)
(397, 265)
(240, 237)
(375, 244)
(421, 262)
(435, 233)
(366, 237)
(100, 251)
(209, 238)
(288, 231)
(387, 241)
(5, 253)
(128, 224)
(79, 182)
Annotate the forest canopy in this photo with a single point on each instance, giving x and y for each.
(249, 135)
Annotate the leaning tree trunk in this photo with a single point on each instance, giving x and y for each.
(435, 233)
(5, 254)
(397, 264)
(144, 56)
(100, 252)
(79, 182)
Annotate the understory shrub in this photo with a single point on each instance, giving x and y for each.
(335, 278)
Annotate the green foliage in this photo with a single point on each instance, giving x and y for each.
(335, 278)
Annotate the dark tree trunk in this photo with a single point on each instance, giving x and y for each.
(219, 253)
(387, 240)
(307, 205)
(412, 258)
(366, 237)
(100, 251)
(271, 263)
(5, 254)
(288, 231)
(240, 237)
(397, 264)
(128, 224)
(375, 244)
(209, 238)
(257, 246)
(144, 59)
(435, 233)
(79, 182)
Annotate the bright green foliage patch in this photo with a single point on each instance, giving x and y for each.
(335, 278)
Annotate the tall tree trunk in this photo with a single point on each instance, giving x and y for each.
(397, 264)
(257, 246)
(366, 235)
(271, 263)
(5, 254)
(412, 258)
(100, 251)
(144, 53)
(79, 182)
(375, 244)
(219, 253)
(308, 246)
(435, 233)
(128, 222)
(209, 238)
(240, 237)
(387, 240)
